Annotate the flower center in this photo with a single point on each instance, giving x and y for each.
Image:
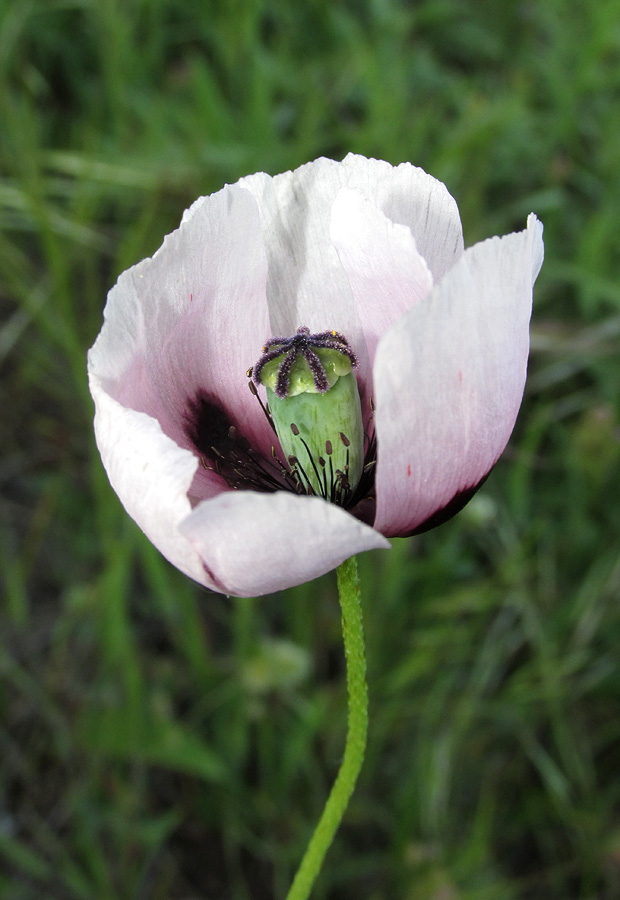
(313, 402)
(317, 418)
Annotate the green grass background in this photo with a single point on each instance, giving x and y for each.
(160, 743)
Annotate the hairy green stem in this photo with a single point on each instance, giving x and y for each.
(353, 633)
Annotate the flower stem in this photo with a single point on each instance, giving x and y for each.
(353, 633)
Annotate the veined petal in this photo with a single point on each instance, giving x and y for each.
(449, 379)
(273, 541)
(410, 196)
(386, 273)
(307, 284)
(151, 475)
(188, 322)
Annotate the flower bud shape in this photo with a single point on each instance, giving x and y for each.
(315, 406)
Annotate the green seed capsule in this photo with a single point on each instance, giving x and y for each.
(319, 420)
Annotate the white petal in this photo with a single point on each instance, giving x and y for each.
(259, 543)
(386, 273)
(410, 196)
(307, 285)
(151, 476)
(538, 248)
(191, 319)
(449, 379)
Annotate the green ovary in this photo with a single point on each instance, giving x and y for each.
(321, 419)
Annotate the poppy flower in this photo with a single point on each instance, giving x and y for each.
(340, 291)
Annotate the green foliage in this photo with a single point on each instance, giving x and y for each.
(161, 743)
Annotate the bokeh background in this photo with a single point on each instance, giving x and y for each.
(161, 743)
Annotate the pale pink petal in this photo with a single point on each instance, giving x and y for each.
(385, 271)
(255, 543)
(188, 322)
(151, 476)
(410, 196)
(449, 380)
(307, 284)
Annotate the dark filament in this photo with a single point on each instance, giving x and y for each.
(226, 452)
